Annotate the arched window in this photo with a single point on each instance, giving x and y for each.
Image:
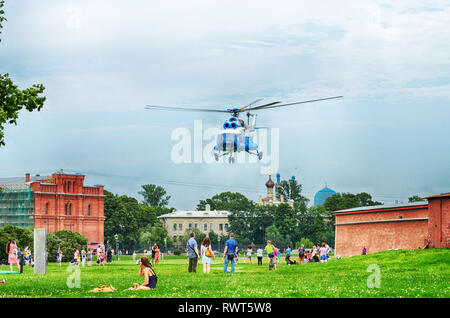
(70, 209)
(46, 208)
(65, 209)
(68, 186)
(89, 210)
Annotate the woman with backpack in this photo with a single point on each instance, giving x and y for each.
(207, 255)
(301, 254)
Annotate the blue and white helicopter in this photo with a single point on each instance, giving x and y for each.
(236, 135)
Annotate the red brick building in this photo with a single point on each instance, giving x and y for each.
(402, 226)
(57, 202)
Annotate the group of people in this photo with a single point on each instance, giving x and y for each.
(319, 253)
(86, 256)
(14, 253)
(230, 254)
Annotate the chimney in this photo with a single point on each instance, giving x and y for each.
(27, 177)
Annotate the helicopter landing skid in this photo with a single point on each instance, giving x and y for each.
(230, 159)
(258, 154)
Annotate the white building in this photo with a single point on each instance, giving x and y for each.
(206, 221)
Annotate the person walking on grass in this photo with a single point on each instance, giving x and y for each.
(323, 253)
(11, 250)
(270, 249)
(230, 254)
(259, 255)
(109, 254)
(207, 255)
(249, 254)
(83, 257)
(89, 257)
(157, 252)
(59, 256)
(192, 253)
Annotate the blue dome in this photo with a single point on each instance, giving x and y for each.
(322, 195)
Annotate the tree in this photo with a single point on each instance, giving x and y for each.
(291, 190)
(275, 237)
(154, 195)
(307, 243)
(415, 198)
(23, 237)
(120, 221)
(67, 241)
(12, 99)
(342, 201)
(286, 221)
(228, 201)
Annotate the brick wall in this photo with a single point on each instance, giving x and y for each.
(380, 230)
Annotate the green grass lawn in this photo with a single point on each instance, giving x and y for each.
(416, 273)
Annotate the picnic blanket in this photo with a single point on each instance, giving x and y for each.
(103, 289)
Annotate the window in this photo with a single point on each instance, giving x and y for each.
(220, 227)
(196, 225)
(89, 210)
(46, 208)
(211, 227)
(70, 209)
(180, 226)
(226, 227)
(174, 226)
(65, 209)
(190, 226)
(205, 227)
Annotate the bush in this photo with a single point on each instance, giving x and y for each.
(306, 243)
(67, 241)
(177, 252)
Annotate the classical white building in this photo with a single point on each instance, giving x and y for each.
(206, 221)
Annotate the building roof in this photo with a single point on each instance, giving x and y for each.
(383, 207)
(195, 214)
(322, 195)
(269, 183)
(442, 195)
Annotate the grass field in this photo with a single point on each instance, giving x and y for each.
(417, 273)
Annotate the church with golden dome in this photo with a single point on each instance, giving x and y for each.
(271, 198)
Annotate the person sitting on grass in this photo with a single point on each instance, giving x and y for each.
(148, 272)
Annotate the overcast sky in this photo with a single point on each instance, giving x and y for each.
(103, 61)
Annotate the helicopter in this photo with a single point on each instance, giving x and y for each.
(237, 135)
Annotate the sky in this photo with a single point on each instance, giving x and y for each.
(102, 62)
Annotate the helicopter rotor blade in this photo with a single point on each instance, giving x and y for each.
(252, 103)
(155, 107)
(289, 104)
(260, 106)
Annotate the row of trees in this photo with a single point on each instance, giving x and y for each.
(283, 224)
(135, 223)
